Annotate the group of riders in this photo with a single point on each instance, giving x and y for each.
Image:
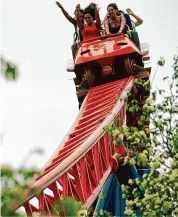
(88, 25)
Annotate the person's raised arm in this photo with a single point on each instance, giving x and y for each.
(105, 18)
(138, 21)
(79, 22)
(97, 16)
(106, 27)
(123, 22)
(70, 19)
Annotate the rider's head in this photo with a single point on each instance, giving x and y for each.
(89, 15)
(112, 9)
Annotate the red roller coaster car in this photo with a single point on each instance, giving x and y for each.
(107, 58)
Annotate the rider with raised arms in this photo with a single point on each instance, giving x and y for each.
(90, 29)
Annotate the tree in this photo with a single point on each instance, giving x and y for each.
(8, 70)
(14, 182)
(156, 193)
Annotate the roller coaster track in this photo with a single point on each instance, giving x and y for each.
(84, 160)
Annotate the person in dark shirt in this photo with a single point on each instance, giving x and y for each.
(114, 24)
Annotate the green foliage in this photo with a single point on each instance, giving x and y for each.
(155, 148)
(72, 207)
(161, 61)
(69, 206)
(13, 182)
(8, 70)
(102, 213)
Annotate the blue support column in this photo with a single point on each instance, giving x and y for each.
(110, 198)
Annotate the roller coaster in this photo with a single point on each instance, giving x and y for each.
(85, 164)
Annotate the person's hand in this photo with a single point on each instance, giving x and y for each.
(93, 5)
(129, 11)
(98, 9)
(78, 8)
(58, 4)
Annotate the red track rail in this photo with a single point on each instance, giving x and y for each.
(80, 168)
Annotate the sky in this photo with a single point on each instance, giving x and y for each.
(39, 108)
